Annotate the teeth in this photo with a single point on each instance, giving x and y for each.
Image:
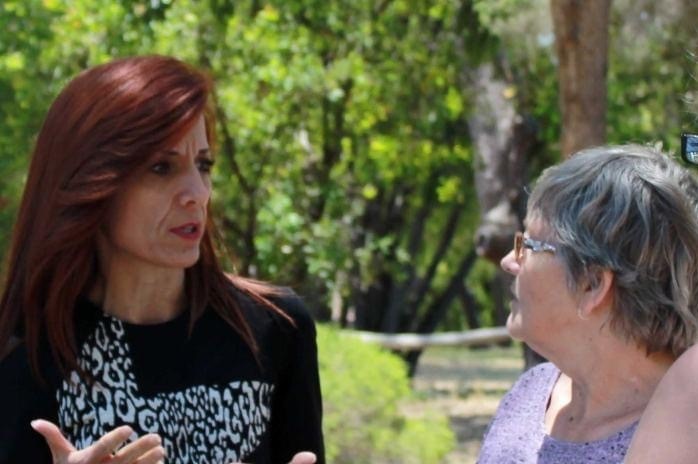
(189, 229)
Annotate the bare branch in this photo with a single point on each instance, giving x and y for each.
(229, 148)
(444, 244)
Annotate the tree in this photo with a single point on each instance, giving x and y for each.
(364, 145)
(581, 43)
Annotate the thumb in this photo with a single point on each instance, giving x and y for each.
(304, 457)
(59, 445)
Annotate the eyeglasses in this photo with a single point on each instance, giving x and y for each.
(521, 242)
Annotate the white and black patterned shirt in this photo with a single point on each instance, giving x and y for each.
(205, 394)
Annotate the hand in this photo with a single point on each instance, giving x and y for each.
(146, 450)
(304, 457)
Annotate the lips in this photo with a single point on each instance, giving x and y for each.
(188, 231)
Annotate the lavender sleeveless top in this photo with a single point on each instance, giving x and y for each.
(517, 432)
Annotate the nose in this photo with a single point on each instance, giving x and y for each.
(195, 188)
(509, 263)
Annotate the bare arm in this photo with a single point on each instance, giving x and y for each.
(668, 430)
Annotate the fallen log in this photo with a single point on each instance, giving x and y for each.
(415, 341)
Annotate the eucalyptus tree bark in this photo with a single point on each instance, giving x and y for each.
(502, 138)
(581, 44)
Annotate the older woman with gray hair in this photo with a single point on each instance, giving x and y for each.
(606, 288)
(668, 428)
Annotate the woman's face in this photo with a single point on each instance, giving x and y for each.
(542, 305)
(159, 217)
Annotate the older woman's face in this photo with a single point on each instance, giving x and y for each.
(159, 217)
(542, 306)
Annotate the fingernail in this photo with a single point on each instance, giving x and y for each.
(34, 423)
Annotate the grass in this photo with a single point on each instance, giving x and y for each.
(465, 384)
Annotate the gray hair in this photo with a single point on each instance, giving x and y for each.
(634, 211)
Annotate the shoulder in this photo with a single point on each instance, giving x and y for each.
(680, 383)
(22, 398)
(685, 370)
(545, 370)
(519, 414)
(293, 306)
(530, 391)
(539, 377)
(15, 360)
(16, 379)
(294, 318)
(678, 389)
(262, 301)
(16, 371)
(532, 387)
(668, 428)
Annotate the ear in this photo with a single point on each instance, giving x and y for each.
(596, 292)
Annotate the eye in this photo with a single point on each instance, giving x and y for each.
(161, 168)
(205, 165)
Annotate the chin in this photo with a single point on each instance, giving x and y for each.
(514, 327)
(183, 262)
(187, 264)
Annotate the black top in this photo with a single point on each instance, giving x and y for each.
(206, 395)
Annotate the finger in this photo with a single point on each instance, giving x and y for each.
(154, 456)
(60, 447)
(105, 446)
(138, 448)
(304, 457)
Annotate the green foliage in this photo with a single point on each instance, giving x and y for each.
(651, 61)
(652, 72)
(479, 281)
(342, 130)
(24, 26)
(363, 390)
(341, 122)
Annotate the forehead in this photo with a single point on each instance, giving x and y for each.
(535, 224)
(195, 139)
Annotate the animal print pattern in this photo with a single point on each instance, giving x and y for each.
(201, 424)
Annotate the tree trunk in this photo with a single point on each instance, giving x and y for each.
(581, 43)
(502, 139)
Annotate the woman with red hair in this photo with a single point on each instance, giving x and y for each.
(122, 338)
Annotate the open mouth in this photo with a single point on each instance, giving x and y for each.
(188, 231)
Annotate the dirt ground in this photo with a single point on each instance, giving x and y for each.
(465, 384)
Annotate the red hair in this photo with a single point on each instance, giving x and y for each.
(105, 124)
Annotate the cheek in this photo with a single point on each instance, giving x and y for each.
(126, 232)
(539, 290)
(525, 285)
(134, 217)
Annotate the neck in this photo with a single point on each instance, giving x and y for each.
(140, 294)
(604, 390)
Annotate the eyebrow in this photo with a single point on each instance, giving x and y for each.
(172, 152)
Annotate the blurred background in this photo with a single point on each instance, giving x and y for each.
(374, 155)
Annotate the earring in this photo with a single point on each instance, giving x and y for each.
(579, 314)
